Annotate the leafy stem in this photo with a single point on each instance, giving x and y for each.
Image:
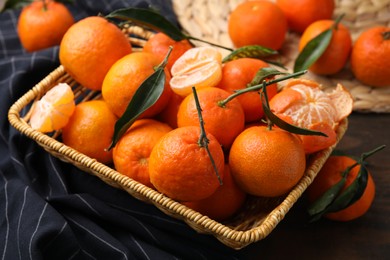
(203, 140)
(335, 198)
(44, 5)
(364, 156)
(145, 96)
(259, 86)
(314, 48)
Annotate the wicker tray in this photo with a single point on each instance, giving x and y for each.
(254, 222)
(195, 17)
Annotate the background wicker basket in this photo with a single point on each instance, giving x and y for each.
(254, 222)
(208, 20)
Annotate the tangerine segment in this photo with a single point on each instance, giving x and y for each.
(53, 110)
(309, 105)
(181, 169)
(199, 67)
(303, 103)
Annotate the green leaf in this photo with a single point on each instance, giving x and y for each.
(145, 96)
(319, 206)
(313, 50)
(15, 4)
(149, 18)
(250, 51)
(352, 193)
(263, 74)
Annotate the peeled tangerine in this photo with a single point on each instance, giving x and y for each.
(53, 110)
(199, 67)
(303, 103)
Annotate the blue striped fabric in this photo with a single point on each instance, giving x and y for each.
(50, 209)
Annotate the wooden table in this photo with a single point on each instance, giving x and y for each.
(365, 238)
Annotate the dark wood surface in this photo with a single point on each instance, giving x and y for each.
(365, 238)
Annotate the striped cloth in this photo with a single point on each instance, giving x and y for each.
(50, 209)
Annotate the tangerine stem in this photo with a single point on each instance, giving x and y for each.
(44, 7)
(369, 153)
(265, 95)
(337, 21)
(363, 156)
(203, 140)
(386, 35)
(259, 86)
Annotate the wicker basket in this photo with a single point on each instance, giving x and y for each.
(195, 17)
(254, 222)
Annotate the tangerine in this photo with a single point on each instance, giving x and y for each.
(238, 74)
(304, 104)
(267, 162)
(336, 54)
(159, 45)
(53, 110)
(329, 175)
(223, 203)
(198, 67)
(126, 76)
(169, 113)
(131, 153)
(180, 167)
(301, 13)
(368, 62)
(42, 24)
(257, 22)
(224, 122)
(90, 47)
(90, 130)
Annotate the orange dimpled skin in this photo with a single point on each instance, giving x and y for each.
(336, 54)
(257, 22)
(131, 153)
(369, 58)
(265, 162)
(301, 13)
(90, 130)
(90, 47)
(222, 204)
(181, 169)
(159, 45)
(42, 24)
(126, 76)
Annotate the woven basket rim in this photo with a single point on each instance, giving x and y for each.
(236, 239)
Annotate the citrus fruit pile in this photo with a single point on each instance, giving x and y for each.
(325, 44)
(208, 139)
